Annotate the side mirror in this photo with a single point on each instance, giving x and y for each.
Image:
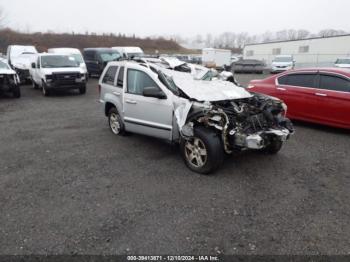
(153, 92)
(33, 65)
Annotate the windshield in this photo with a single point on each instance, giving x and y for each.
(3, 65)
(78, 58)
(343, 61)
(109, 56)
(283, 59)
(135, 54)
(168, 82)
(57, 61)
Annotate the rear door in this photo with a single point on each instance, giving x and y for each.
(108, 83)
(297, 91)
(334, 99)
(146, 115)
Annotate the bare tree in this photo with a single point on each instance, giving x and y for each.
(2, 18)
(331, 32)
(303, 34)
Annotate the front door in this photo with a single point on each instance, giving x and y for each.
(334, 99)
(146, 115)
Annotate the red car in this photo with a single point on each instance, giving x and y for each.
(319, 95)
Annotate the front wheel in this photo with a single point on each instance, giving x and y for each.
(44, 89)
(16, 91)
(274, 147)
(203, 153)
(82, 90)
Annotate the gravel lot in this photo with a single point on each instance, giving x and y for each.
(68, 186)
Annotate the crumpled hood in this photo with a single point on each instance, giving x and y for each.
(7, 72)
(207, 90)
(22, 61)
(49, 71)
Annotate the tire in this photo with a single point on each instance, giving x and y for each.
(16, 91)
(44, 89)
(115, 123)
(82, 90)
(35, 85)
(274, 147)
(204, 152)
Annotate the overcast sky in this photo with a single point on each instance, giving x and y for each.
(169, 17)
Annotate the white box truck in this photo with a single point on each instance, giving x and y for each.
(216, 58)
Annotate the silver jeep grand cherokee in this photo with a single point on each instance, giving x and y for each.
(207, 118)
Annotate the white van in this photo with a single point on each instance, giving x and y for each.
(53, 72)
(74, 52)
(216, 58)
(282, 63)
(20, 58)
(129, 51)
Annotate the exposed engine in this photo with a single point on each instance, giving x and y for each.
(248, 123)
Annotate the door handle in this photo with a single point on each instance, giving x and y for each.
(320, 94)
(130, 101)
(116, 93)
(281, 88)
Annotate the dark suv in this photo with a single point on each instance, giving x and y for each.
(96, 59)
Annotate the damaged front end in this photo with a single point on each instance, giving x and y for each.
(256, 122)
(8, 82)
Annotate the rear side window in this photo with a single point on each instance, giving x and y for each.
(120, 80)
(138, 80)
(109, 76)
(283, 80)
(335, 83)
(302, 80)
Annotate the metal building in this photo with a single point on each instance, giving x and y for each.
(320, 51)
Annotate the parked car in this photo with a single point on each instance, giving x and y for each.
(248, 66)
(208, 118)
(9, 80)
(342, 62)
(53, 72)
(282, 63)
(320, 95)
(96, 59)
(20, 58)
(129, 51)
(74, 52)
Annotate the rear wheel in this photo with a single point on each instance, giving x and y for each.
(115, 122)
(16, 91)
(203, 153)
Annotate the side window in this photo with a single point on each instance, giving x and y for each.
(88, 55)
(283, 80)
(109, 76)
(137, 81)
(38, 63)
(335, 83)
(302, 80)
(120, 79)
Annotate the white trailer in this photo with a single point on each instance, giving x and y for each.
(212, 57)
